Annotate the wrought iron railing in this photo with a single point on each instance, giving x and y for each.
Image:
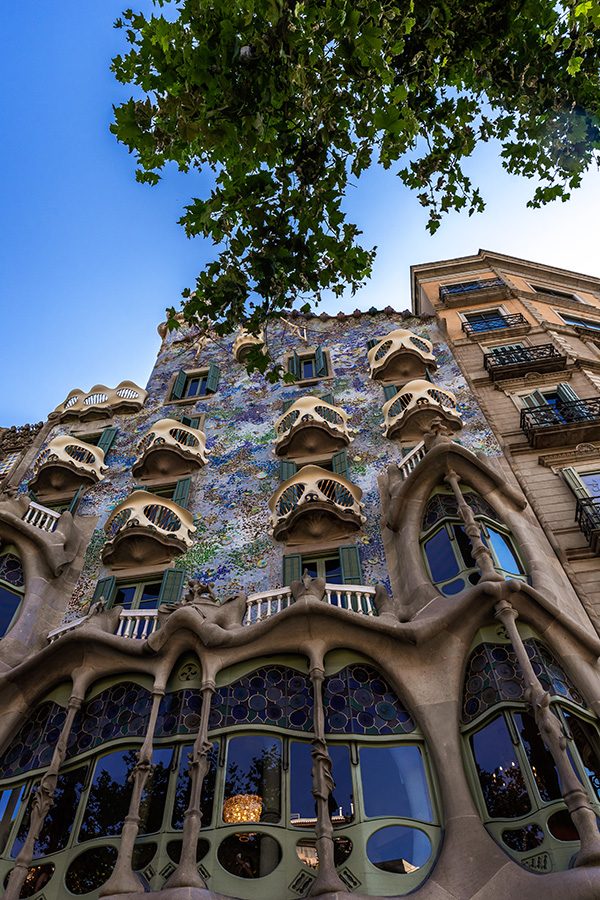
(574, 412)
(494, 323)
(448, 291)
(587, 516)
(542, 355)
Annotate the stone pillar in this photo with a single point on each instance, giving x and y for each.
(123, 879)
(551, 731)
(186, 874)
(483, 557)
(327, 881)
(44, 798)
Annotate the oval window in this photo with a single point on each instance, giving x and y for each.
(523, 839)
(560, 826)
(399, 849)
(91, 869)
(306, 850)
(37, 877)
(142, 855)
(249, 855)
(174, 850)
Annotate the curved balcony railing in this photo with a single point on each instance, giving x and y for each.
(244, 342)
(67, 462)
(401, 355)
(145, 528)
(329, 504)
(414, 407)
(126, 397)
(311, 425)
(170, 448)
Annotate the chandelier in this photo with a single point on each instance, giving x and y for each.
(242, 808)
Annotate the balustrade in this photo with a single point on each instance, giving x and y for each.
(401, 355)
(411, 411)
(494, 323)
(170, 448)
(101, 400)
(41, 517)
(311, 425)
(148, 529)
(66, 464)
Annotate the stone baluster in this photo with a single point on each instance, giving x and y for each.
(44, 798)
(327, 880)
(186, 874)
(481, 553)
(552, 734)
(123, 879)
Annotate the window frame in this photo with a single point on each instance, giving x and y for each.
(304, 355)
(190, 374)
(583, 321)
(20, 592)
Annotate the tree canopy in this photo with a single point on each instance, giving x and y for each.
(286, 103)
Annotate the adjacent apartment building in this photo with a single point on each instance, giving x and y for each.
(333, 636)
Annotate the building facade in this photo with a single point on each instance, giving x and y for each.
(337, 635)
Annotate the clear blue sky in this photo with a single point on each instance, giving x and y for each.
(89, 259)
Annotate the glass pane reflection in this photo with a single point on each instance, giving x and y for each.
(59, 818)
(182, 791)
(253, 771)
(249, 855)
(399, 849)
(91, 869)
(302, 803)
(394, 782)
(499, 771)
(540, 759)
(110, 792)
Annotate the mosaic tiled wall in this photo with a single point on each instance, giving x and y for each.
(229, 497)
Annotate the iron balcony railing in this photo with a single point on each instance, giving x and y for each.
(447, 291)
(574, 412)
(502, 362)
(587, 516)
(493, 323)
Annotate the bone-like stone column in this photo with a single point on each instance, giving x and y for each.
(123, 879)
(482, 555)
(551, 731)
(327, 881)
(186, 874)
(44, 798)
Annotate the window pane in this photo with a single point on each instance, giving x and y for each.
(540, 760)
(399, 849)
(154, 797)
(341, 803)
(464, 545)
(124, 596)
(333, 571)
(253, 781)
(503, 551)
(108, 800)
(592, 482)
(394, 782)
(10, 806)
(587, 742)
(308, 368)
(59, 819)
(9, 604)
(499, 771)
(440, 556)
(193, 386)
(182, 791)
(149, 596)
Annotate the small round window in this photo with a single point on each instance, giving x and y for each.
(399, 849)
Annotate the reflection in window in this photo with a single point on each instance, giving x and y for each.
(91, 869)
(10, 805)
(587, 741)
(499, 771)
(394, 782)
(249, 855)
(59, 818)
(341, 801)
(12, 586)
(109, 796)
(253, 779)
(182, 790)
(399, 849)
(540, 759)
(154, 797)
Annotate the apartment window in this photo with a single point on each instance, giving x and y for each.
(554, 292)
(198, 383)
(486, 319)
(141, 593)
(178, 492)
(309, 366)
(103, 440)
(339, 566)
(337, 463)
(12, 588)
(578, 322)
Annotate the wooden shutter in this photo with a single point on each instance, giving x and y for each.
(179, 385)
(389, 391)
(171, 586)
(372, 343)
(292, 568)
(571, 476)
(106, 440)
(534, 399)
(191, 421)
(294, 365)
(339, 463)
(181, 494)
(350, 563)
(75, 501)
(328, 398)
(286, 469)
(107, 588)
(32, 495)
(287, 403)
(212, 379)
(566, 393)
(320, 363)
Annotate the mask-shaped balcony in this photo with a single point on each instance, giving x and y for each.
(170, 449)
(100, 401)
(244, 342)
(146, 530)
(66, 464)
(410, 412)
(310, 425)
(315, 504)
(401, 356)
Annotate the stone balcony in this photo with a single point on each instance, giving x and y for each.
(564, 425)
(146, 530)
(244, 342)
(401, 356)
(100, 401)
(467, 293)
(55, 535)
(170, 449)
(315, 504)
(310, 425)
(410, 412)
(66, 464)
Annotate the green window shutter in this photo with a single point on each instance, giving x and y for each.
(286, 469)
(179, 386)
(320, 363)
(350, 563)
(106, 440)
(171, 586)
(328, 398)
(191, 421)
(287, 403)
(534, 399)
(181, 494)
(294, 365)
(32, 496)
(571, 476)
(372, 343)
(339, 463)
(106, 588)
(212, 379)
(75, 500)
(389, 391)
(566, 393)
(292, 568)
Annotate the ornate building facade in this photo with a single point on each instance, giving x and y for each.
(337, 635)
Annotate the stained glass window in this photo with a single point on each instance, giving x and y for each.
(11, 570)
(179, 713)
(120, 711)
(271, 695)
(35, 741)
(358, 700)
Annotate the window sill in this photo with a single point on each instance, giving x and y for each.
(188, 401)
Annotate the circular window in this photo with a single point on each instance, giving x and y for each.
(91, 869)
(306, 850)
(174, 850)
(249, 855)
(560, 826)
(142, 855)
(37, 877)
(399, 849)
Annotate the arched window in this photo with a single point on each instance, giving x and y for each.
(518, 785)
(446, 545)
(12, 588)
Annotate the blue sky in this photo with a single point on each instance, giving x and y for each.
(89, 259)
